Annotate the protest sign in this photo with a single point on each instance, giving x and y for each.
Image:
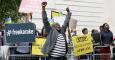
(82, 45)
(37, 46)
(55, 14)
(59, 17)
(30, 6)
(73, 23)
(24, 32)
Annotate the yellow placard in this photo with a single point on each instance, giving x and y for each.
(55, 14)
(37, 46)
(82, 44)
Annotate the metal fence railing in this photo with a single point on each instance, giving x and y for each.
(92, 56)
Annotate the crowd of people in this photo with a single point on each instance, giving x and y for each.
(56, 45)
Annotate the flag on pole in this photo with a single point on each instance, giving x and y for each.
(8, 21)
(55, 14)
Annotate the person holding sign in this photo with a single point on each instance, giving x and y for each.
(38, 45)
(56, 45)
(85, 57)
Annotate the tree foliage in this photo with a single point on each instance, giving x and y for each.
(9, 8)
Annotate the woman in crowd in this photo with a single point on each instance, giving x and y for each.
(107, 40)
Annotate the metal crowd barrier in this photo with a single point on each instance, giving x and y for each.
(70, 56)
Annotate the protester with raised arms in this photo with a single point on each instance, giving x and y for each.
(56, 44)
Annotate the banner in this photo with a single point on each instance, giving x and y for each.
(24, 32)
(30, 6)
(37, 46)
(82, 44)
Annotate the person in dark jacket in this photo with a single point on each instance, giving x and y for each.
(106, 35)
(96, 37)
(107, 40)
(56, 44)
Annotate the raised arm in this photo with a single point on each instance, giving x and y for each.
(67, 19)
(44, 17)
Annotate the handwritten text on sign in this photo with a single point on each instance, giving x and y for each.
(82, 45)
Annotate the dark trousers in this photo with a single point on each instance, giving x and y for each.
(114, 53)
(57, 58)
